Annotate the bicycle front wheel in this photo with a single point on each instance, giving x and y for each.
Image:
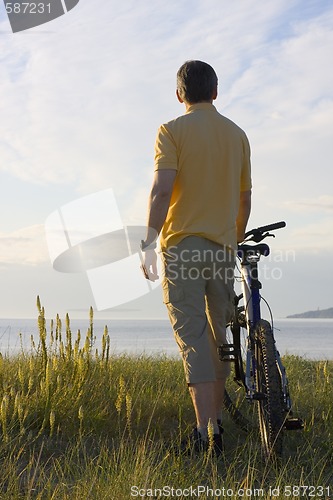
(270, 398)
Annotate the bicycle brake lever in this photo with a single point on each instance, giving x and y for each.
(263, 236)
(257, 236)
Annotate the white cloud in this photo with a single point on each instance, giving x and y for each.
(83, 102)
(24, 247)
(321, 203)
(311, 238)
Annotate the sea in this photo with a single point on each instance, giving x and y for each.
(309, 338)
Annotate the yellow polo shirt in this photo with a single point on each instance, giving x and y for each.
(212, 157)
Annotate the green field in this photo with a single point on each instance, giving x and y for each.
(81, 424)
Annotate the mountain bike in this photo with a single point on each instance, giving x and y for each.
(259, 389)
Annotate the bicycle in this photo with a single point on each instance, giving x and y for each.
(251, 347)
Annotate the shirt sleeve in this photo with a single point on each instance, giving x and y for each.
(165, 150)
(246, 181)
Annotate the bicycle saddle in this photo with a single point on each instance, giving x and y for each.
(261, 248)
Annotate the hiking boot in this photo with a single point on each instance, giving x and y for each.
(219, 424)
(195, 444)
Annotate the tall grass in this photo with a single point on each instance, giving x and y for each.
(76, 423)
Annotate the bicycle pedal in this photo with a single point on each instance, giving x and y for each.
(241, 317)
(292, 424)
(227, 352)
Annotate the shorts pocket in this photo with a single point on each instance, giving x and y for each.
(172, 293)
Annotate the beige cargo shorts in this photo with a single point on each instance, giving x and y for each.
(198, 292)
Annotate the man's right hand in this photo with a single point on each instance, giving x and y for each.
(149, 265)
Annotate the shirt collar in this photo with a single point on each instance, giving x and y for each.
(201, 105)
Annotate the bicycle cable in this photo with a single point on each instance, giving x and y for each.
(269, 310)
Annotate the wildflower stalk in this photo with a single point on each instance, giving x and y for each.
(68, 338)
(4, 416)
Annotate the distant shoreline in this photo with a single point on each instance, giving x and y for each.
(318, 314)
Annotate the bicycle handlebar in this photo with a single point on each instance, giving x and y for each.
(258, 233)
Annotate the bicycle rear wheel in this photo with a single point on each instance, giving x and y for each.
(270, 398)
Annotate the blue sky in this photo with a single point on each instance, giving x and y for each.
(81, 100)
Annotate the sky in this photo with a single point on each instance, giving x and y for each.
(81, 99)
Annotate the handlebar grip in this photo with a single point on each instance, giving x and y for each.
(264, 229)
(272, 227)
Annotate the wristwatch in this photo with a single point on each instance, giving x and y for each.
(144, 246)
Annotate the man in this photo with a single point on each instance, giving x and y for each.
(199, 204)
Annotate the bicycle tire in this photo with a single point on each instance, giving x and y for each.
(235, 413)
(240, 410)
(270, 402)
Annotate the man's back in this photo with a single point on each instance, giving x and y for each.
(212, 157)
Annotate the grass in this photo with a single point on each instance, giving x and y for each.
(81, 424)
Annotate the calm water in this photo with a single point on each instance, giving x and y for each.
(311, 338)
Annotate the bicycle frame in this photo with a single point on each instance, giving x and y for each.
(250, 288)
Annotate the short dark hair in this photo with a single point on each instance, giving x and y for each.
(196, 81)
